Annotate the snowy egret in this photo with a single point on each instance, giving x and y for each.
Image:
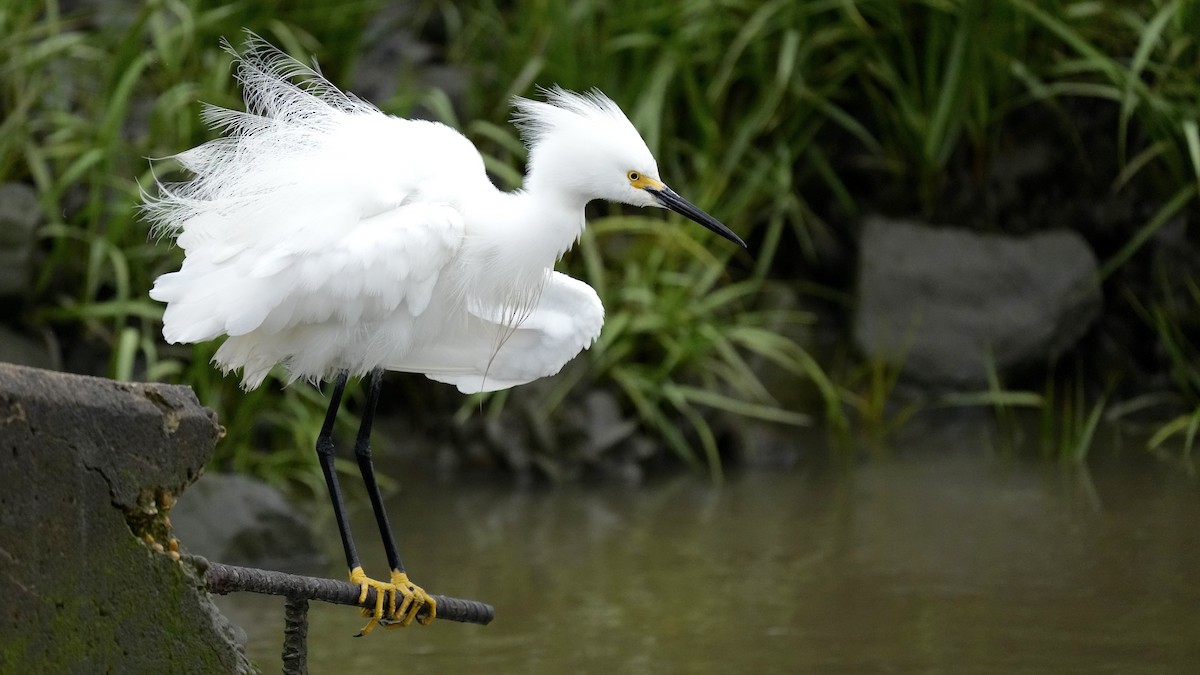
(324, 235)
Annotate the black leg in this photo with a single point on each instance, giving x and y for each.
(411, 598)
(362, 452)
(326, 455)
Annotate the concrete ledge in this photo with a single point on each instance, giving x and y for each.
(88, 468)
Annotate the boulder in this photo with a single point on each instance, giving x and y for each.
(242, 521)
(20, 214)
(21, 349)
(90, 467)
(943, 303)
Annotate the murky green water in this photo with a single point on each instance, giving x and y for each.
(947, 558)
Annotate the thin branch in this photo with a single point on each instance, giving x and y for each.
(224, 579)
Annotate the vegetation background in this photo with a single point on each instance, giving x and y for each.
(788, 120)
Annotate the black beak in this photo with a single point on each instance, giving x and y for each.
(671, 200)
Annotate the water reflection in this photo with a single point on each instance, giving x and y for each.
(945, 558)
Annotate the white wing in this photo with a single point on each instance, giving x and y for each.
(309, 221)
(378, 264)
(488, 354)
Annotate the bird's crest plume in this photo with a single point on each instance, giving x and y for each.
(566, 110)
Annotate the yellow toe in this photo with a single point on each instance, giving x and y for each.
(413, 598)
(382, 590)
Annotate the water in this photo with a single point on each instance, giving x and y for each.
(945, 558)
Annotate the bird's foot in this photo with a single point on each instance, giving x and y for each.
(413, 599)
(384, 593)
(386, 612)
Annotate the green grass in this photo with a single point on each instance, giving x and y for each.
(784, 112)
(785, 119)
(1177, 324)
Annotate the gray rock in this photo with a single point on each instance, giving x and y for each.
(90, 466)
(240, 521)
(19, 349)
(943, 302)
(20, 215)
(602, 423)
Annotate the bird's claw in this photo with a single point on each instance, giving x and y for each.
(412, 599)
(357, 576)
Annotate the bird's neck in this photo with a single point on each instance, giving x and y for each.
(512, 244)
(553, 216)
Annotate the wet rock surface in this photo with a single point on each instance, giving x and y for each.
(88, 468)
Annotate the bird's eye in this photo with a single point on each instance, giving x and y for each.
(633, 176)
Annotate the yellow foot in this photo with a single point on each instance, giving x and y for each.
(413, 598)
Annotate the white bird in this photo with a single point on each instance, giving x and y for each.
(324, 235)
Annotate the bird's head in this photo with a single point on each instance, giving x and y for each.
(585, 145)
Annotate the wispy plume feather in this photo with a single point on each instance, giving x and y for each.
(563, 109)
